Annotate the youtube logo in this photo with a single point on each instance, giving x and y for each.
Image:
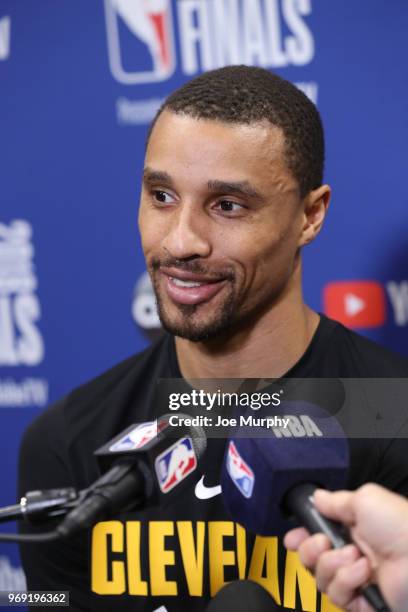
(355, 303)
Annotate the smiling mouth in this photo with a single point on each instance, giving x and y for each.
(183, 283)
(183, 287)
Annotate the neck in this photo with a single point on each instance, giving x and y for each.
(266, 349)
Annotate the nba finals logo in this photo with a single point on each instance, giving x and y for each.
(142, 29)
(5, 27)
(21, 342)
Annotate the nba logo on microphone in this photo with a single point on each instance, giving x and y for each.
(136, 437)
(175, 464)
(241, 474)
(140, 40)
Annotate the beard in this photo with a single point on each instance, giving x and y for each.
(186, 321)
(186, 326)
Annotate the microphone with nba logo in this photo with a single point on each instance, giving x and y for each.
(146, 464)
(263, 468)
(269, 477)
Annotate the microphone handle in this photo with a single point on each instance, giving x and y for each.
(112, 492)
(299, 503)
(40, 505)
(10, 513)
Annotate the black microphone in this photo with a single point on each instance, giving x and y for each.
(268, 481)
(35, 506)
(241, 596)
(149, 463)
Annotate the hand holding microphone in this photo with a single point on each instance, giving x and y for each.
(378, 522)
(268, 482)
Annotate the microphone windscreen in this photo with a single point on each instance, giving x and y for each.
(258, 471)
(241, 596)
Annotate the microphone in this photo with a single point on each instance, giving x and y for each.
(241, 596)
(39, 505)
(149, 463)
(268, 482)
(259, 472)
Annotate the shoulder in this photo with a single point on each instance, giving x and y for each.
(357, 356)
(137, 372)
(68, 432)
(40, 452)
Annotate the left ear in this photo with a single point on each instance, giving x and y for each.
(315, 205)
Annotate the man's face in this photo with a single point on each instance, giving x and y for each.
(221, 221)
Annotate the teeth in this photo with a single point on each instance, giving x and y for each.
(184, 283)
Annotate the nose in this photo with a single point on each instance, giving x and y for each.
(187, 235)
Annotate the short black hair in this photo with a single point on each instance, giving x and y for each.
(247, 94)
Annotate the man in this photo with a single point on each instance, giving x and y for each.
(232, 191)
(378, 520)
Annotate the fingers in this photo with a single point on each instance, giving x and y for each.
(309, 547)
(338, 506)
(294, 538)
(342, 589)
(339, 573)
(331, 562)
(312, 548)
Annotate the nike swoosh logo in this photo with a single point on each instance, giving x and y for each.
(203, 492)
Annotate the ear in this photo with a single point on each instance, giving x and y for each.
(315, 205)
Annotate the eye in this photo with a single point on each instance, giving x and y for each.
(162, 196)
(229, 206)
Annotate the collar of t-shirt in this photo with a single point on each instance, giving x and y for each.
(294, 381)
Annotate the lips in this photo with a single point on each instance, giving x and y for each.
(187, 288)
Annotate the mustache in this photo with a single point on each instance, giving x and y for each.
(194, 266)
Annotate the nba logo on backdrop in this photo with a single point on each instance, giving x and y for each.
(140, 40)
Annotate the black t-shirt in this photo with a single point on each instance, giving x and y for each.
(180, 556)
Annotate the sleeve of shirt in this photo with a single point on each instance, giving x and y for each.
(43, 464)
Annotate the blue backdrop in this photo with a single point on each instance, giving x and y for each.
(79, 83)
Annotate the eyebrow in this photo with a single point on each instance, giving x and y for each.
(241, 188)
(150, 176)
